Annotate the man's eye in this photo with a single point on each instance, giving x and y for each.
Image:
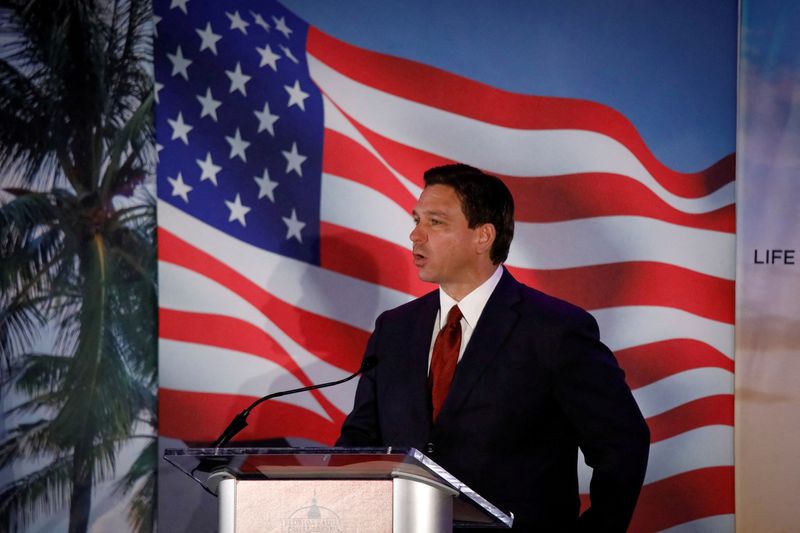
(435, 222)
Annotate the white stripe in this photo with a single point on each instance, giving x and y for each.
(683, 387)
(699, 448)
(575, 243)
(723, 523)
(503, 150)
(197, 367)
(355, 206)
(703, 447)
(616, 239)
(625, 327)
(309, 287)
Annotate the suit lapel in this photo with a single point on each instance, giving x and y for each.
(413, 376)
(496, 322)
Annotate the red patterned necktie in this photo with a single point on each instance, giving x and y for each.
(444, 358)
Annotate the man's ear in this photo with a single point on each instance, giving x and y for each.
(485, 238)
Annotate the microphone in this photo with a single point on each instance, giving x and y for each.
(239, 422)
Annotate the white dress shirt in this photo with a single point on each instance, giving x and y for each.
(471, 307)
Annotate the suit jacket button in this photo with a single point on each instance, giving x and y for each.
(429, 448)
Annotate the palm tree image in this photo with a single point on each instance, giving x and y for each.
(77, 255)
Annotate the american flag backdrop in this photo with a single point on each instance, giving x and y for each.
(289, 164)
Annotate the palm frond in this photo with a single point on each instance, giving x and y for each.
(29, 440)
(130, 53)
(44, 491)
(141, 480)
(119, 176)
(40, 373)
(141, 510)
(31, 253)
(139, 217)
(20, 218)
(82, 72)
(108, 405)
(26, 143)
(144, 466)
(49, 401)
(20, 326)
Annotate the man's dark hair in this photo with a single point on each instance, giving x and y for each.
(484, 200)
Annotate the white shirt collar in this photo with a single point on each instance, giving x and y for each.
(473, 303)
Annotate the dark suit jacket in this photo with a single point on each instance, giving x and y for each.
(533, 385)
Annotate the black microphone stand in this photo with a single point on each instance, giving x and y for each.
(239, 422)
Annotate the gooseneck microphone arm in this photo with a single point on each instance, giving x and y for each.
(239, 422)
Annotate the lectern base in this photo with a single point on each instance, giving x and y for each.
(404, 504)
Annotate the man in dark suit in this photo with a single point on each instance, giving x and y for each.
(496, 381)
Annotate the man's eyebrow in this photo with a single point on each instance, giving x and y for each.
(430, 213)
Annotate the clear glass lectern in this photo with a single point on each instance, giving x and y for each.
(396, 490)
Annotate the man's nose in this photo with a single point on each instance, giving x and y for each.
(417, 235)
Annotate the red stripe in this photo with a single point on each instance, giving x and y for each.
(682, 498)
(637, 283)
(712, 410)
(225, 332)
(200, 417)
(234, 334)
(370, 259)
(343, 157)
(331, 340)
(539, 199)
(649, 363)
(443, 90)
(570, 197)
(593, 287)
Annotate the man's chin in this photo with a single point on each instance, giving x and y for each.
(425, 276)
